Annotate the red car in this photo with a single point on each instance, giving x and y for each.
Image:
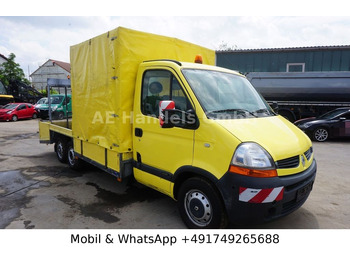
(15, 111)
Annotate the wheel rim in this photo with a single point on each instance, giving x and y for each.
(71, 156)
(321, 134)
(198, 208)
(60, 150)
(14, 118)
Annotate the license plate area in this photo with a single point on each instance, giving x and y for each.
(302, 192)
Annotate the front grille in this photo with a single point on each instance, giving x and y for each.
(308, 153)
(291, 162)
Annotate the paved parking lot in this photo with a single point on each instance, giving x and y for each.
(37, 191)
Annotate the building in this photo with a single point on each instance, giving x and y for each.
(50, 69)
(3, 59)
(295, 59)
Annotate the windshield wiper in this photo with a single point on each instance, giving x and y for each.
(263, 110)
(232, 111)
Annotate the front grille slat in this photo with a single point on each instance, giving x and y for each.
(291, 162)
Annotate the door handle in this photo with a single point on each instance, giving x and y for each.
(138, 132)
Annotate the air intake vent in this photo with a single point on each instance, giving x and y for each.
(291, 162)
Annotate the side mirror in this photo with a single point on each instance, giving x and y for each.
(170, 117)
(163, 105)
(274, 106)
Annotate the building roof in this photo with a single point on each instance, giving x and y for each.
(286, 49)
(4, 57)
(64, 65)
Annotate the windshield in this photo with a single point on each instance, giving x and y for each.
(10, 106)
(225, 95)
(333, 113)
(55, 100)
(42, 101)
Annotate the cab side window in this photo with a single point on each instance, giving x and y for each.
(21, 107)
(161, 85)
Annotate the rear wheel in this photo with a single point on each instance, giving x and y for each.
(200, 205)
(320, 134)
(61, 150)
(73, 161)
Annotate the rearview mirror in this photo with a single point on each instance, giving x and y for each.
(170, 117)
(274, 106)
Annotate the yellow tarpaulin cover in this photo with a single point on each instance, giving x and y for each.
(103, 75)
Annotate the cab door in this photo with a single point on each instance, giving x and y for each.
(21, 111)
(342, 127)
(159, 152)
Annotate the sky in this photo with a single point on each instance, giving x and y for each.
(35, 39)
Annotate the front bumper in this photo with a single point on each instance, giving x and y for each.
(44, 114)
(5, 117)
(294, 190)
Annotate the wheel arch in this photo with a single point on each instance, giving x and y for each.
(186, 172)
(288, 114)
(54, 137)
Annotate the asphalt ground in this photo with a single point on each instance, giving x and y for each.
(39, 192)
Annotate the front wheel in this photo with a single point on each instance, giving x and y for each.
(60, 115)
(14, 118)
(320, 134)
(200, 205)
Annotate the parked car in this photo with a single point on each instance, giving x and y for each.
(60, 107)
(41, 101)
(332, 124)
(15, 111)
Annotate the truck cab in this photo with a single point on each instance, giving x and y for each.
(220, 150)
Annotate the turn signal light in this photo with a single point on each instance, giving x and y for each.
(253, 172)
(198, 59)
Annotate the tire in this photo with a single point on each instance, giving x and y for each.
(200, 205)
(320, 134)
(61, 150)
(60, 115)
(35, 116)
(14, 118)
(73, 161)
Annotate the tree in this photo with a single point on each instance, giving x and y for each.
(11, 71)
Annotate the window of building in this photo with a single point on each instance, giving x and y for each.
(296, 67)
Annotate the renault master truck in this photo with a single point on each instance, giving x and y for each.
(198, 133)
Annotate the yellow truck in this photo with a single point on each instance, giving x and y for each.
(198, 133)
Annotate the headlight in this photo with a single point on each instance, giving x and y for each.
(252, 155)
(251, 159)
(306, 125)
(9, 112)
(54, 108)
